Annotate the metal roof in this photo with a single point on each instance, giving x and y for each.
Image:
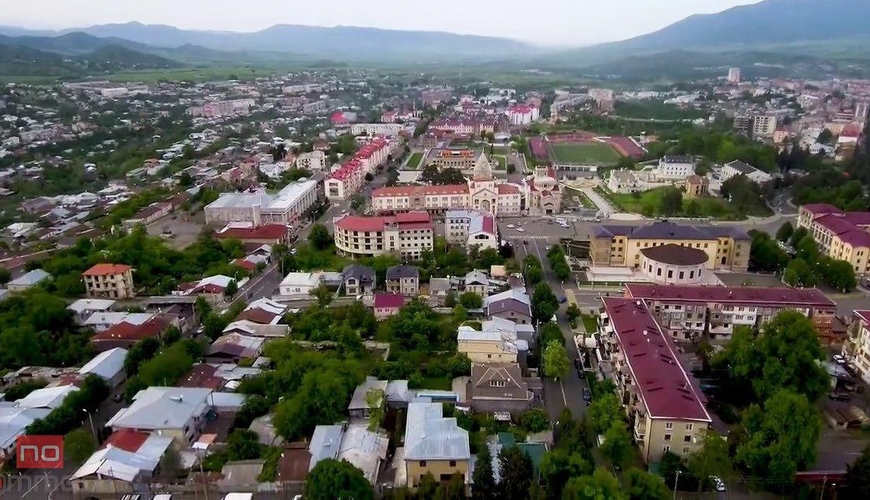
(430, 436)
(162, 408)
(107, 364)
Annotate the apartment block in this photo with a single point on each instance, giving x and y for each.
(111, 281)
(666, 409)
(407, 235)
(857, 348)
(839, 235)
(686, 311)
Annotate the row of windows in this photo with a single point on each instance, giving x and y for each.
(686, 449)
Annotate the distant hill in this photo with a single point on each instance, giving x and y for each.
(116, 57)
(19, 60)
(341, 42)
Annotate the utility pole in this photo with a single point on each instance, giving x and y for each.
(676, 483)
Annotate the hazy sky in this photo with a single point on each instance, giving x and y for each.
(562, 22)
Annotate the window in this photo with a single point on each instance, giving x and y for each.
(422, 463)
(670, 274)
(666, 449)
(687, 438)
(686, 450)
(669, 425)
(453, 463)
(682, 274)
(496, 383)
(667, 437)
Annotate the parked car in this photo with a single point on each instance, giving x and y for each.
(578, 364)
(840, 396)
(839, 359)
(562, 300)
(717, 483)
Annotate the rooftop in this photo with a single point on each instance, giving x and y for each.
(265, 232)
(430, 436)
(162, 408)
(667, 391)
(741, 295)
(676, 255)
(410, 220)
(106, 364)
(107, 270)
(389, 301)
(664, 230)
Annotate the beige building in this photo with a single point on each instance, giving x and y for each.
(697, 186)
(543, 193)
(434, 445)
(495, 342)
(462, 159)
(857, 348)
(690, 310)
(665, 408)
(111, 281)
(407, 235)
(839, 235)
(727, 248)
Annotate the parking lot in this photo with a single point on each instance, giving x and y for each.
(179, 230)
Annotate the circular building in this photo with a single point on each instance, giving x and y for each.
(674, 264)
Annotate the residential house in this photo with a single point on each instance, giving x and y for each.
(176, 412)
(387, 304)
(663, 401)
(249, 328)
(434, 445)
(737, 167)
(354, 443)
(128, 462)
(403, 280)
(697, 186)
(14, 421)
(28, 280)
(108, 365)
(211, 288)
(232, 348)
(857, 348)
(126, 334)
(496, 342)
(84, 308)
(299, 284)
(102, 321)
(358, 280)
(263, 312)
(111, 281)
(48, 397)
(477, 282)
(514, 305)
(359, 407)
(498, 387)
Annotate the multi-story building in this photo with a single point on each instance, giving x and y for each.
(434, 445)
(675, 167)
(406, 234)
(690, 310)
(112, 281)
(522, 114)
(261, 208)
(839, 235)
(471, 227)
(403, 280)
(601, 94)
(176, 412)
(462, 126)
(620, 246)
(314, 161)
(219, 109)
(737, 167)
(350, 177)
(495, 342)
(384, 129)
(462, 159)
(743, 124)
(734, 75)
(543, 193)
(857, 347)
(665, 408)
(763, 125)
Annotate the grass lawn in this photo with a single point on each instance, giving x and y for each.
(591, 153)
(502, 162)
(590, 323)
(647, 203)
(414, 160)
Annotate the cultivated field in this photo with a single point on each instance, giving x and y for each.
(591, 153)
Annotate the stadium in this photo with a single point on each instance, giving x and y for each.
(584, 148)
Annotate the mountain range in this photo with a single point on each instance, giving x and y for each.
(795, 27)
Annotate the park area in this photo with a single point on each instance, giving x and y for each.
(651, 203)
(588, 153)
(414, 160)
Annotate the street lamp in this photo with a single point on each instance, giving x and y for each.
(91, 420)
(676, 482)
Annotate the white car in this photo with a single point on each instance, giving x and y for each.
(520, 230)
(717, 483)
(511, 226)
(839, 359)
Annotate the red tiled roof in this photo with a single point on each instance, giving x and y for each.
(201, 375)
(748, 295)
(386, 192)
(128, 331)
(245, 264)
(858, 218)
(666, 389)
(864, 315)
(266, 231)
(127, 440)
(258, 316)
(410, 220)
(507, 189)
(846, 231)
(389, 301)
(106, 269)
(821, 208)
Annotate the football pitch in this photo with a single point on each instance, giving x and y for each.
(584, 154)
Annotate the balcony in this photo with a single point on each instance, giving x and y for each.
(639, 429)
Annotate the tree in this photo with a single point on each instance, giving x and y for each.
(319, 237)
(331, 479)
(798, 234)
(617, 446)
(460, 313)
(516, 474)
(840, 275)
(798, 274)
(671, 202)
(202, 307)
(781, 437)
(375, 400)
(544, 303)
(471, 300)
(5, 276)
(231, 289)
(765, 254)
(323, 295)
(142, 350)
(560, 465)
(79, 445)
(561, 270)
(243, 444)
(825, 137)
(555, 362)
(641, 485)
(357, 202)
(534, 420)
(604, 411)
(534, 275)
(573, 313)
(484, 480)
(786, 354)
(784, 232)
(711, 459)
(601, 485)
(856, 484)
(369, 177)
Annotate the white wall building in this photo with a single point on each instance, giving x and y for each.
(470, 228)
(299, 283)
(314, 161)
(675, 167)
(737, 167)
(261, 208)
(384, 129)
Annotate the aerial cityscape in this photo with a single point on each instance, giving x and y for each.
(360, 259)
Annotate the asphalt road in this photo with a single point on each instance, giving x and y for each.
(568, 392)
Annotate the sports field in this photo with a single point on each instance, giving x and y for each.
(591, 153)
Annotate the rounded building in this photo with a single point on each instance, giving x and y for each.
(674, 264)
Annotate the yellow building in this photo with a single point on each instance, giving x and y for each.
(434, 445)
(621, 246)
(857, 348)
(111, 281)
(407, 235)
(665, 408)
(839, 235)
(496, 342)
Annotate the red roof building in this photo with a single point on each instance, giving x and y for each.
(126, 334)
(107, 270)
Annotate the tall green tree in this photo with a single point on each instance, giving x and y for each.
(711, 459)
(79, 445)
(331, 479)
(243, 444)
(376, 401)
(604, 412)
(319, 237)
(799, 274)
(484, 481)
(785, 231)
(671, 202)
(231, 289)
(641, 485)
(555, 363)
(516, 473)
(617, 446)
(601, 485)
(781, 437)
(544, 303)
(560, 465)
